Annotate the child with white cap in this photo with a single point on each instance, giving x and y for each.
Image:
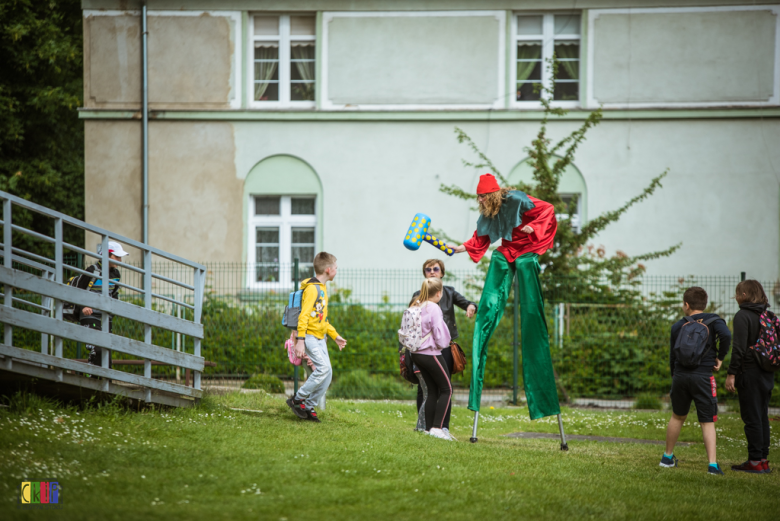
(92, 318)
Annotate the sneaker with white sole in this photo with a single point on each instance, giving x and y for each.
(669, 462)
(446, 431)
(438, 433)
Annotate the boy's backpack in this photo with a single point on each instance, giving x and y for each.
(70, 312)
(767, 347)
(693, 341)
(292, 311)
(410, 335)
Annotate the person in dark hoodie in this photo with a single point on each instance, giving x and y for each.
(752, 384)
(434, 268)
(696, 384)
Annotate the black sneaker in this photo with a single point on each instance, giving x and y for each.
(297, 407)
(715, 470)
(311, 415)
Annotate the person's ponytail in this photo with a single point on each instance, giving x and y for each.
(429, 288)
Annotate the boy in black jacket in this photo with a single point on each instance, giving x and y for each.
(698, 383)
(92, 318)
(754, 385)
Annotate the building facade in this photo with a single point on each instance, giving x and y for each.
(280, 128)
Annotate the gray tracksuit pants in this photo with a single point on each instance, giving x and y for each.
(319, 381)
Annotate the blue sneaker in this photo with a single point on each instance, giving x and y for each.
(715, 470)
(668, 462)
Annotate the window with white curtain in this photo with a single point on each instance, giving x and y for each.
(283, 61)
(282, 228)
(538, 37)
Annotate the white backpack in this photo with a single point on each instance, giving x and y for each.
(410, 335)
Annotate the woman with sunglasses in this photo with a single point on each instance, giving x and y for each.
(449, 299)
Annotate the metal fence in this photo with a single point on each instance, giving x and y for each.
(609, 339)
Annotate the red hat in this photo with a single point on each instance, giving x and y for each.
(487, 184)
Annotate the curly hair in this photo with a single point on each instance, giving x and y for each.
(492, 203)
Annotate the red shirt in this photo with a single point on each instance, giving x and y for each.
(541, 219)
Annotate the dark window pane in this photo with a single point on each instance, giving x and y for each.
(267, 254)
(267, 235)
(266, 91)
(525, 92)
(267, 206)
(266, 72)
(267, 273)
(571, 204)
(302, 67)
(302, 206)
(568, 56)
(566, 91)
(304, 253)
(302, 91)
(303, 235)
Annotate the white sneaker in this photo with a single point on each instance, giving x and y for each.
(438, 433)
(446, 431)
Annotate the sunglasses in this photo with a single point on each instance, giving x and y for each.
(432, 270)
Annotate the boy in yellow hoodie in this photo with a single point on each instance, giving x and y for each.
(313, 325)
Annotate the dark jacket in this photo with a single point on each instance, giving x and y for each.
(97, 285)
(449, 299)
(718, 331)
(746, 329)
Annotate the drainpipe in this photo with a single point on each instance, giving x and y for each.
(145, 124)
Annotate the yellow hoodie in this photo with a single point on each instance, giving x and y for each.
(314, 311)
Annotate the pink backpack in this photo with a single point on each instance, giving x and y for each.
(290, 345)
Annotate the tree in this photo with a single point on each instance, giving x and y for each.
(41, 88)
(571, 258)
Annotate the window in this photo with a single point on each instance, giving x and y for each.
(283, 61)
(283, 228)
(537, 38)
(576, 218)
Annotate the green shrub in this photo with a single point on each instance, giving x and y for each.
(361, 385)
(648, 401)
(265, 382)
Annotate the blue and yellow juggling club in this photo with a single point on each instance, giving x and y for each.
(418, 232)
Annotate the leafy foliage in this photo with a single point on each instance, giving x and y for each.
(570, 256)
(41, 87)
(265, 382)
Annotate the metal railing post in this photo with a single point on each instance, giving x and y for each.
(8, 330)
(105, 320)
(147, 328)
(199, 282)
(295, 288)
(58, 277)
(515, 346)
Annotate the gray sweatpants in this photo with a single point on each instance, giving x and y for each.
(319, 381)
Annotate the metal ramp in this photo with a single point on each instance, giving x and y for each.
(34, 281)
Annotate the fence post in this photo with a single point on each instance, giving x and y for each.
(515, 323)
(295, 287)
(8, 338)
(742, 276)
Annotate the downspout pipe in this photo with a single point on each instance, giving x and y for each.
(145, 124)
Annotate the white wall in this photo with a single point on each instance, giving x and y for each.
(721, 198)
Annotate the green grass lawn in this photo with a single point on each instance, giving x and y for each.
(364, 462)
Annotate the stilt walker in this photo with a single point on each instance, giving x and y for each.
(526, 227)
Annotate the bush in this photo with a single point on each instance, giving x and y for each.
(360, 384)
(265, 382)
(648, 401)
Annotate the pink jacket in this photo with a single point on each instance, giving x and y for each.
(433, 322)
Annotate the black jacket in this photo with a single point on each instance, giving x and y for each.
(718, 330)
(449, 299)
(746, 329)
(97, 284)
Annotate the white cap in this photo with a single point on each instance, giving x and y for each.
(114, 248)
